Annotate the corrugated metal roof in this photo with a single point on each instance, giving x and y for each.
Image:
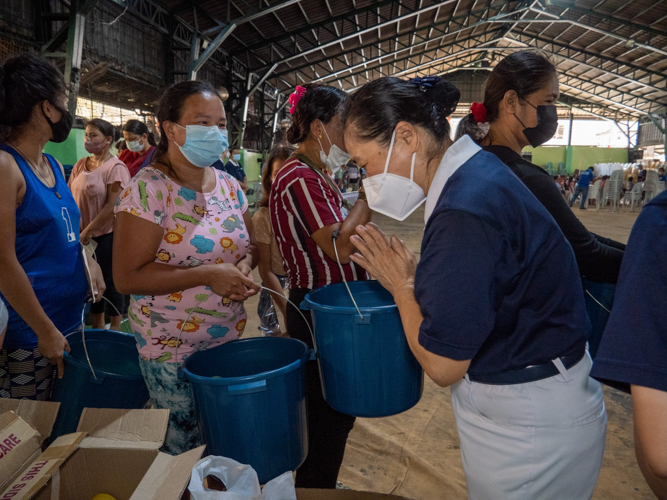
(610, 53)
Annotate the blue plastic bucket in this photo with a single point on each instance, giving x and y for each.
(254, 410)
(119, 381)
(366, 365)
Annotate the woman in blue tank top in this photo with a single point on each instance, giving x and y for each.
(42, 277)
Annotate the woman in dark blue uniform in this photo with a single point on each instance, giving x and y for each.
(485, 311)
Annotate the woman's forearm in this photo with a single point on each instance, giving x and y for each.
(270, 280)
(359, 215)
(15, 287)
(443, 371)
(161, 279)
(411, 318)
(102, 218)
(252, 256)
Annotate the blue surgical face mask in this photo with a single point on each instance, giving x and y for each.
(203, 145)
(236, 157)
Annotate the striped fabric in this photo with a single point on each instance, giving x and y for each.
(301, 203)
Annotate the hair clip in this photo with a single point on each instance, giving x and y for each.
(295, 97)
(478, 111)
(425, 82)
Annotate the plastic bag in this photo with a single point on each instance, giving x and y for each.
(240, 480)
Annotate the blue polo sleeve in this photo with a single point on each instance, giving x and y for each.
(633, 349)
(457, 285)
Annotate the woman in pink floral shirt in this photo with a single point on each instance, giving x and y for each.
(183, 233)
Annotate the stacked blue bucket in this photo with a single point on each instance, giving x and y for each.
(116, 382)
(250, 397)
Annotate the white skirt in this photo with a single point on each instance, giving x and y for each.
(539, 440)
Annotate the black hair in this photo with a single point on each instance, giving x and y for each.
(139, 128)
(170, 109)
(26, 80)
(376, 108)
(280, 153)
(106, 128)
(524, 72)
(320, 102)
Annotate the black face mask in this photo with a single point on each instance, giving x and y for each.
(547, 124)
(62, 127)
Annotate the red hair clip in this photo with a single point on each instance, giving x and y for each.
(478, 111)
(294, 98)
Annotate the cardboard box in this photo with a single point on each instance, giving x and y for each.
(308, 494)
(23, 427)
(113, 451)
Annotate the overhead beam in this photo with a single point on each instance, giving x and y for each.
(261, 81)
(361, 32)
(557, 19)
(227, 30)
(212, 47)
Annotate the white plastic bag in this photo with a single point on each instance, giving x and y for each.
(240, 480)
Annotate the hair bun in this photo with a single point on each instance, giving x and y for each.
(439, 92)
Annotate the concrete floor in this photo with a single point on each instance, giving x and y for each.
(416, 454)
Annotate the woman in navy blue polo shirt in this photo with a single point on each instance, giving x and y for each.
(634, 346)
(485, 311)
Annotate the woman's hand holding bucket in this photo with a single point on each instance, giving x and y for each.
(52, 344)
(228, 280)
(388, 260)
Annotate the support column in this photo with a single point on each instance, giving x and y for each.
(569, 135)
(276, 112)
(244, 114)
(75, 32)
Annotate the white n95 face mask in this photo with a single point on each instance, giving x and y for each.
(336, 157)
(394, 195)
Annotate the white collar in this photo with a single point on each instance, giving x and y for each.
(455, 156)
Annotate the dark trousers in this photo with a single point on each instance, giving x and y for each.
(103, 256)
(327, 428)
(584, 195)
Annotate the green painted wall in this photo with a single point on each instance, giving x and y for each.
(577, 157)
(251, 166)
(70, 151)
(544, 155)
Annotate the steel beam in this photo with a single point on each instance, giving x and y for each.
(75, 33)
(454, 25)
(227, 30)
(361, 32)
(557, 19)
(199, 61)
(262, 79)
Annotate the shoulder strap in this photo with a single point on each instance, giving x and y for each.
(55, 166)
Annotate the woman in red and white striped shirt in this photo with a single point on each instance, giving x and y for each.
(307, 209)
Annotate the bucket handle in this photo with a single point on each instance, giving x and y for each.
(97, 379)
(250, 388)
(364, 319)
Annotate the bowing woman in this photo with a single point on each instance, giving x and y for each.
(307, 210)
(485, 311)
